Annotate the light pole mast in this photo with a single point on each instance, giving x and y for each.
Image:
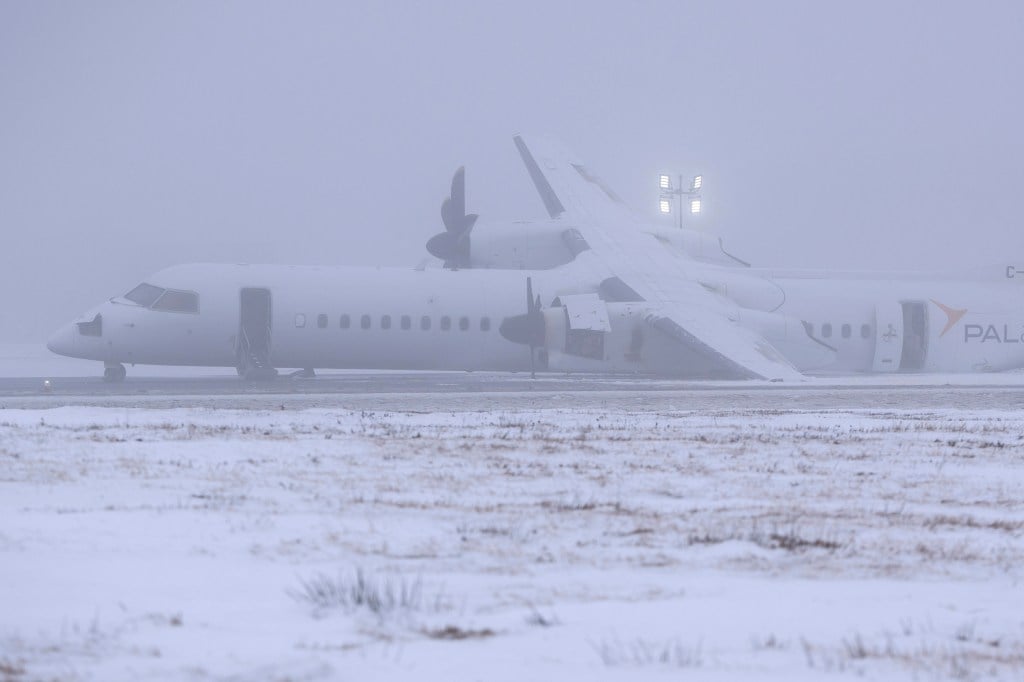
(680, 197)
(668, 191)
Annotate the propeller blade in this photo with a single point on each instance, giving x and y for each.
(450, 223)
(458, 195)
(452, 246)
(528, 328)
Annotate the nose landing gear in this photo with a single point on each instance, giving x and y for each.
(114, 374)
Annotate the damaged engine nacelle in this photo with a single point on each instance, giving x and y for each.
(585, 334)
(582, 333)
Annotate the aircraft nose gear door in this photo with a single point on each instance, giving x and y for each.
(888, 337)
(254, 327)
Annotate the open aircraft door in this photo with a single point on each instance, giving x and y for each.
(254, 334)
(888, 336)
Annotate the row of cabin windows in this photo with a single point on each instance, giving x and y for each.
(846, 331)
(404, 322)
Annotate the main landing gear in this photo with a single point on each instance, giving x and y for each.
(114, 374)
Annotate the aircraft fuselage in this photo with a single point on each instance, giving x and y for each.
(404, 319)
(319, 317)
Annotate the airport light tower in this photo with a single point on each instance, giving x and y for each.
(668, 191)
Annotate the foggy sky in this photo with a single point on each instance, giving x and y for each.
(139, 135)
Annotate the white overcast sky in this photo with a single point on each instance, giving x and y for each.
(843, 135)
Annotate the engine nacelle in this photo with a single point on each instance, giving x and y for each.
(586, 334)
(519, 246)
(546, 245)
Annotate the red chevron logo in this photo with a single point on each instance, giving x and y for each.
(953, 315)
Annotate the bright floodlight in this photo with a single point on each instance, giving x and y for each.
(665, 206)
(695, 206)
(698, 180)
(665, 182)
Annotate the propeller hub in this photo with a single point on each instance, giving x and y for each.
(529, 328)
(526, 329)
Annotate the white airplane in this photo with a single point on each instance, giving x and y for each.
(603, 295)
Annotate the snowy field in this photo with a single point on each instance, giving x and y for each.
(570, 544)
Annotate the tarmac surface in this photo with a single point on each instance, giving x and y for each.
(464, 391)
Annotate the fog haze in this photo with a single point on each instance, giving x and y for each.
(135, 136)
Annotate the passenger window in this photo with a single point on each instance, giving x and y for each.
(321, 321)
(385, 322)
(463, 323)
(485, 324)
(865, 331)
(406, 322)
(364, 322)
(846, 331)
(826, 330)
(345, 322)
(446, 323)
(300, 320)
(425, 323)
(178, 302)
(144, 294)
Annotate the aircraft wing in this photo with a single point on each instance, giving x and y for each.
(565, 185)
(685, 310)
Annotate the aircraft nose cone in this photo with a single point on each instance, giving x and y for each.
(63, 341)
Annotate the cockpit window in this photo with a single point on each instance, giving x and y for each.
(178, 302)
(144, 294)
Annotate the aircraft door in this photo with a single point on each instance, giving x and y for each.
(254, 332)
(915, 336)
(888, 336)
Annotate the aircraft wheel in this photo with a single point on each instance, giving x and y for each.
(115, 374)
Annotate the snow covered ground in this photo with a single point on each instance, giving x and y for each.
(590, 544)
